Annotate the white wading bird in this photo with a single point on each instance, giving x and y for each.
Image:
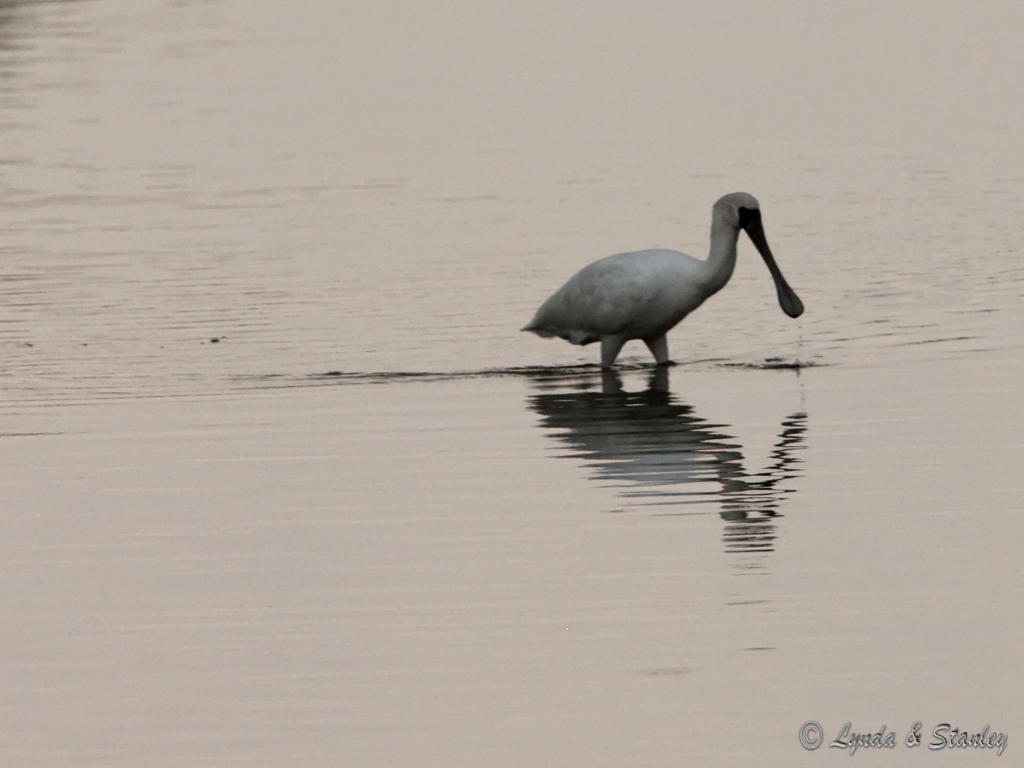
(643, 294)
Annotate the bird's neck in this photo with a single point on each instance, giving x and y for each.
(722, 256)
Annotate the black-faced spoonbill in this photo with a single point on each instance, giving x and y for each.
(643, 294)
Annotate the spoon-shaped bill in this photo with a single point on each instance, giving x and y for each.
(788, 299)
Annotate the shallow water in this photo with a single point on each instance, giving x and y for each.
(285, 485)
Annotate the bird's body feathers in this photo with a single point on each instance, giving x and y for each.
(640, 295)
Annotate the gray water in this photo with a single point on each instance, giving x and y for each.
(284, 485)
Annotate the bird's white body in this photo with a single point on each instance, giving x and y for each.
(643, 294)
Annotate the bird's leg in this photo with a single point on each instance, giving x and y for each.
(610, 346)
(658, 381)
(610, 381)
(659, 348)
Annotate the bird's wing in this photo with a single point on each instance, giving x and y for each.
(600, 299)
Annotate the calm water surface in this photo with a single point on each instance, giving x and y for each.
(283, 485)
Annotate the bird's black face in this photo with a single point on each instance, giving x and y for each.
(750, 222)
(747, 215)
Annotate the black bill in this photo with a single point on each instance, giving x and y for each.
(750, 220)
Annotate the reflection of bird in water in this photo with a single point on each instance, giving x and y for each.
(659, 452)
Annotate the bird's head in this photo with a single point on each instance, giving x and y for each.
(740, 210)
(736, 209)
